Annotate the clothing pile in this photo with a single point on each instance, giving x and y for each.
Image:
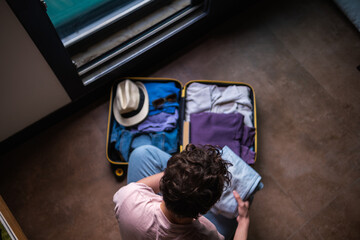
(221, 116)
(245, 180)
(157, 127)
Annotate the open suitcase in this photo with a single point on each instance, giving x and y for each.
(183, 126)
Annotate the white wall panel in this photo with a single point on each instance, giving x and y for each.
(29, 90)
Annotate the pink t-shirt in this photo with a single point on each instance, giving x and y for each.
(138, 212)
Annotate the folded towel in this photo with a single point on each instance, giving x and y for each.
(245, 180)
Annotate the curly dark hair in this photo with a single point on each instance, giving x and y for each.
(194, 180)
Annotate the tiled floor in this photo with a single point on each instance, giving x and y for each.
(300, 57)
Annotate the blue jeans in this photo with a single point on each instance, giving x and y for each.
(148, 160)
(145, 161)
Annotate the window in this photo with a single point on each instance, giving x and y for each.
(76, 20)
(90, 43)
(103, 34)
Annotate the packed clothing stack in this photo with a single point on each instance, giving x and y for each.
(223, 116)
(158, 126)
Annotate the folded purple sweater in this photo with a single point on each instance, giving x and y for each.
(223, 129)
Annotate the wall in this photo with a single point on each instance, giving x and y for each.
(29, 90)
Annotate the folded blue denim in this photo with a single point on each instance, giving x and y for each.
(245, 180)
(127, 140)
(158, 90)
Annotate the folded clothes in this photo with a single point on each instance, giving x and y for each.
(221, 129)
(230, 99)
(157, 123)
(212, 98)
(198, 98)
(218, 129)
(125, 140)
(248, 136)
(157, 90)
(245, 180)
(247, 154)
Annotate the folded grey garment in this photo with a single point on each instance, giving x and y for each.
(202, 97)
(245, 180)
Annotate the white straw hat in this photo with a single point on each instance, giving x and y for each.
(131, 103)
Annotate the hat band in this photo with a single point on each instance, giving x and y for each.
(141, 103)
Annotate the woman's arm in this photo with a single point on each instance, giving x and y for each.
(153, 181)
(243, 218)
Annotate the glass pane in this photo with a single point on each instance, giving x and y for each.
(74, 18)
(135, 30)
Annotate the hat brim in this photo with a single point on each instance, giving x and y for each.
(127, 122)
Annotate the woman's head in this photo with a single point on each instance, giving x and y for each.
(194, 180)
